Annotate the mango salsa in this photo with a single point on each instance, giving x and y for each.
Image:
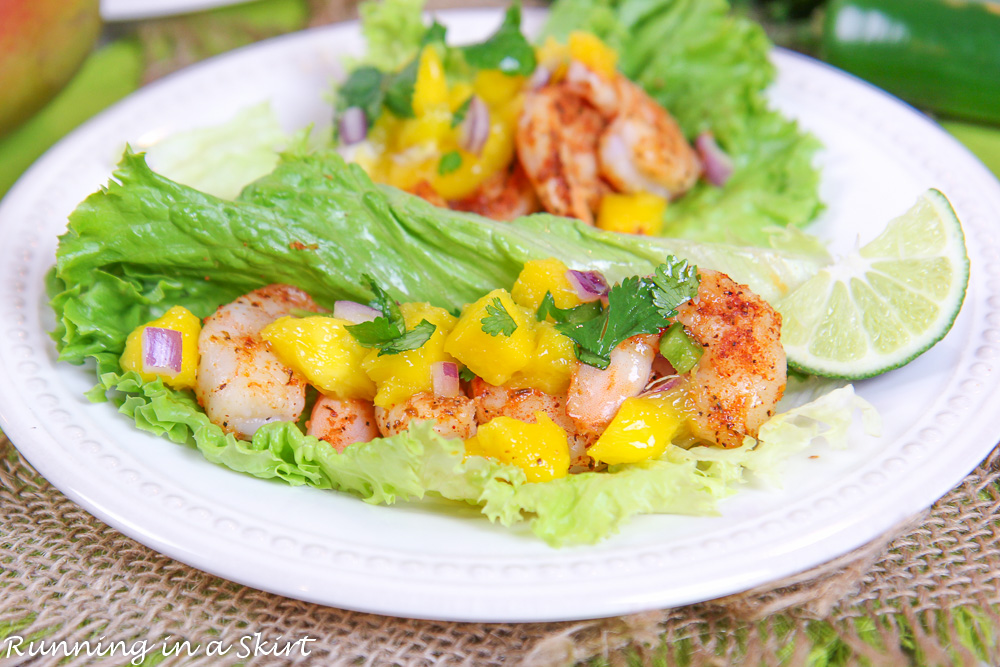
(540, 449)
(399, 376)
(179, 319)
(641, 430)
(640, 213)
(324, 352)
(551, 365)
(540, 276)
(493, 358)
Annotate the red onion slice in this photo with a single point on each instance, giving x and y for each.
(354, 312)
(353, 126)
(444, 378)
(718, 165)
(162, 351)
(476, 126)
(589, 285)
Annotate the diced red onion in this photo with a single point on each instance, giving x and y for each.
(354, 312)
(353, 127)
(541, 76)
(718, 165)
(476, 126)
(162, 351)
(589, 285)
(444, 378)
(662, 385)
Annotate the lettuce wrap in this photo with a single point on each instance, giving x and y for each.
(144, 243)
(709, 68)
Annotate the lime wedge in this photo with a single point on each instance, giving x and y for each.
(885, 304)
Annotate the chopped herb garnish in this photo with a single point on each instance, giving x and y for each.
(498, 320)
(371, 89)
(388, 333)
(676, 282)
(466, 375)
(459, 115)
(435, 34)
(635, 306)
(399, 90)
(507, 50)
(449, 162)
(574, 315)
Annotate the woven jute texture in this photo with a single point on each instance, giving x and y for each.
(64, 575)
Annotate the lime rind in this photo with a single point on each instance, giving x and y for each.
(884, 305)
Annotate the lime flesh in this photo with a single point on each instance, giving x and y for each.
(885, 304)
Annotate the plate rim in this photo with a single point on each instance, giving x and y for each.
(19, 433)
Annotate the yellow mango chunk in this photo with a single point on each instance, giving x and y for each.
(641, 430)
(493, 358)
(640, 213)
(497, 88)
(554, 56)
(587, 49)
(399, 376)
(324, 352)
(432, 128)
(540, 276)
(497, 154)
(430, 92)
(540, 449)
(459, 94)
(552, 364)
(179, 319)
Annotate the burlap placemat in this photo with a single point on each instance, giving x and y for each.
(925, 594)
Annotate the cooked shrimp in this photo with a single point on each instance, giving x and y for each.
(455, 417)
(522, 404)
(557, 138)
(241, 384)
(505, 196)
(595, 395)
(741, 375)
(342, 422)
(580, 137)
(643, 149)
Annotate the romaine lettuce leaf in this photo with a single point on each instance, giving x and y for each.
(145, 243)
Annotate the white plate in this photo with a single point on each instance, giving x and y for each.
(412, 560)
(135, 10)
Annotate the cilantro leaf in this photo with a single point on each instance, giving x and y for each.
(630, 311)
(450, 161)
(636, 306)
(466, 375)
(507, 50)
(364, 88)
(459, 114)
(388, 333)
(435, 34)
(675, 282)
(410, 340)
(575, 315)
(498, 320)
(399, 90)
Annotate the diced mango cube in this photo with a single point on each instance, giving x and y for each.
(552, 364)
(497, 154)
(540, 449)
(430, 92)
(459, 94)
(540, 276)
(179, 319)
(555, 57)
(640, 213)
(641, 430)
(588, 49)
(493, 358)
(497, 88)
(399, 376)
(433, 127)
(324, 352)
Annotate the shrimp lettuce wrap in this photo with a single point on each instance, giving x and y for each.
(144, 246)
(635, 116)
